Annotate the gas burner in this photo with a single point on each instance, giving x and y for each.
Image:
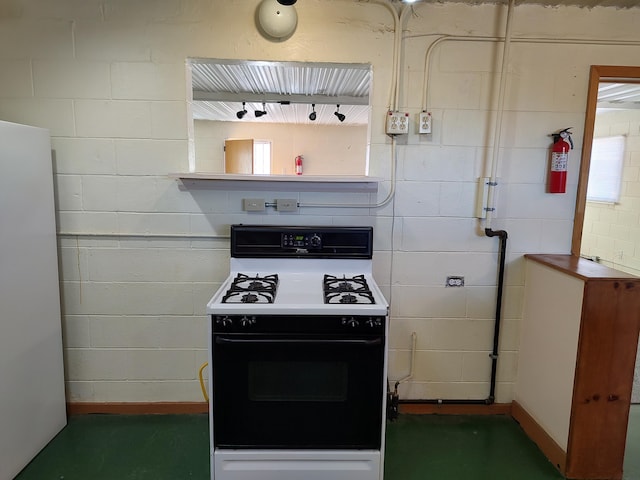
(256, 289)
(346, 289)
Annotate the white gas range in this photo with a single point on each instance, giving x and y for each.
(298, 357)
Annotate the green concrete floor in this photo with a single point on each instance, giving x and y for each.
(175, 447)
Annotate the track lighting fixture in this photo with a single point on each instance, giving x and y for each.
(337, 113)
(262, 112)
(312, 115)
(241, 113)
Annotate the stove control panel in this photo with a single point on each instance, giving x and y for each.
(298, 324)
(272, 241)
(301, 240)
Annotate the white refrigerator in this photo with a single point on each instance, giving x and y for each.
(32, 397)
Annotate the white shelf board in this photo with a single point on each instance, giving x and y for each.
(307, 183)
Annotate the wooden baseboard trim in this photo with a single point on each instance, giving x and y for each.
(135, 408)
(453, 409)
(554, 452)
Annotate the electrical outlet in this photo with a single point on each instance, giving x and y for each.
(287, 204)
(253, 204)
(424, 122)
(455, 281)
(397, 123)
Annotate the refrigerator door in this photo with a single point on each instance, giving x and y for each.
(32, 397)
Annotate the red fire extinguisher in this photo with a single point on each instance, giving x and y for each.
(299, 165)
(562, 143)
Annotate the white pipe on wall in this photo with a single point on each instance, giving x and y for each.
(497, 136)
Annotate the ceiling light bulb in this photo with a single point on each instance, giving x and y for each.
(312, 115)
(277, 19)
(241, 113)
(259, 113)
(337, 113)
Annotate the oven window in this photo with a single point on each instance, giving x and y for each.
(313, 392)
(297, 381)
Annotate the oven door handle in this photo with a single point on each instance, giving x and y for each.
(312, 341)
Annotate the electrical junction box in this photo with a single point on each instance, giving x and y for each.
(253, 204)
(424, 122)
(397, 123)
(286, 204)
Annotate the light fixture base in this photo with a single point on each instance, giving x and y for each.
(276, 19)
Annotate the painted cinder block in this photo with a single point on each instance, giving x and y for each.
(113, 118)
(71, 79)
(148, 81)
(84, 155)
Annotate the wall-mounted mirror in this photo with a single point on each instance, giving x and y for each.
(256, 117)
(607, 227)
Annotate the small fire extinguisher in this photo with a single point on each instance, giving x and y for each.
(562, 143)
(299, 165)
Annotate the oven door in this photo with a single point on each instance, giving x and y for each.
(304, 391)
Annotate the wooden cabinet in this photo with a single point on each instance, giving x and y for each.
(578, 349)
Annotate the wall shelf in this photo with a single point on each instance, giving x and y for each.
(306, 183)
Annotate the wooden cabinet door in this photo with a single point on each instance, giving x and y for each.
(238, 156)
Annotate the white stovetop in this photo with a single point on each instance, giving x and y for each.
(299, 287)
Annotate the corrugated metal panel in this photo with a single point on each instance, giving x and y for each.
(317, 80)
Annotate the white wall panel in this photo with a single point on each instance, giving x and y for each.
(32, 392)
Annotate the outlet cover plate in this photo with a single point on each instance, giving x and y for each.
(397, 123)
(455, 281)
(424, 122)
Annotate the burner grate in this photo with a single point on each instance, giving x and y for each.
(346, 289)
(256, 289)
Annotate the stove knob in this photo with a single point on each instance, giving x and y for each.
(315, 240)
(373, 322)
(350, 322)
(247, 321)
(224, 321)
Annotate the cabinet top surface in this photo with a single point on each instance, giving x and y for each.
(581, 267)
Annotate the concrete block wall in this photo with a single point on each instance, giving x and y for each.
(140, 257)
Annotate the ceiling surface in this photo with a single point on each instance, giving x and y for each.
(551, 3)
(619, 96)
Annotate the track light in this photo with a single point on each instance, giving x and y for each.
(241, 113)
(312, 115)
(262, 112)
(337, 113)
